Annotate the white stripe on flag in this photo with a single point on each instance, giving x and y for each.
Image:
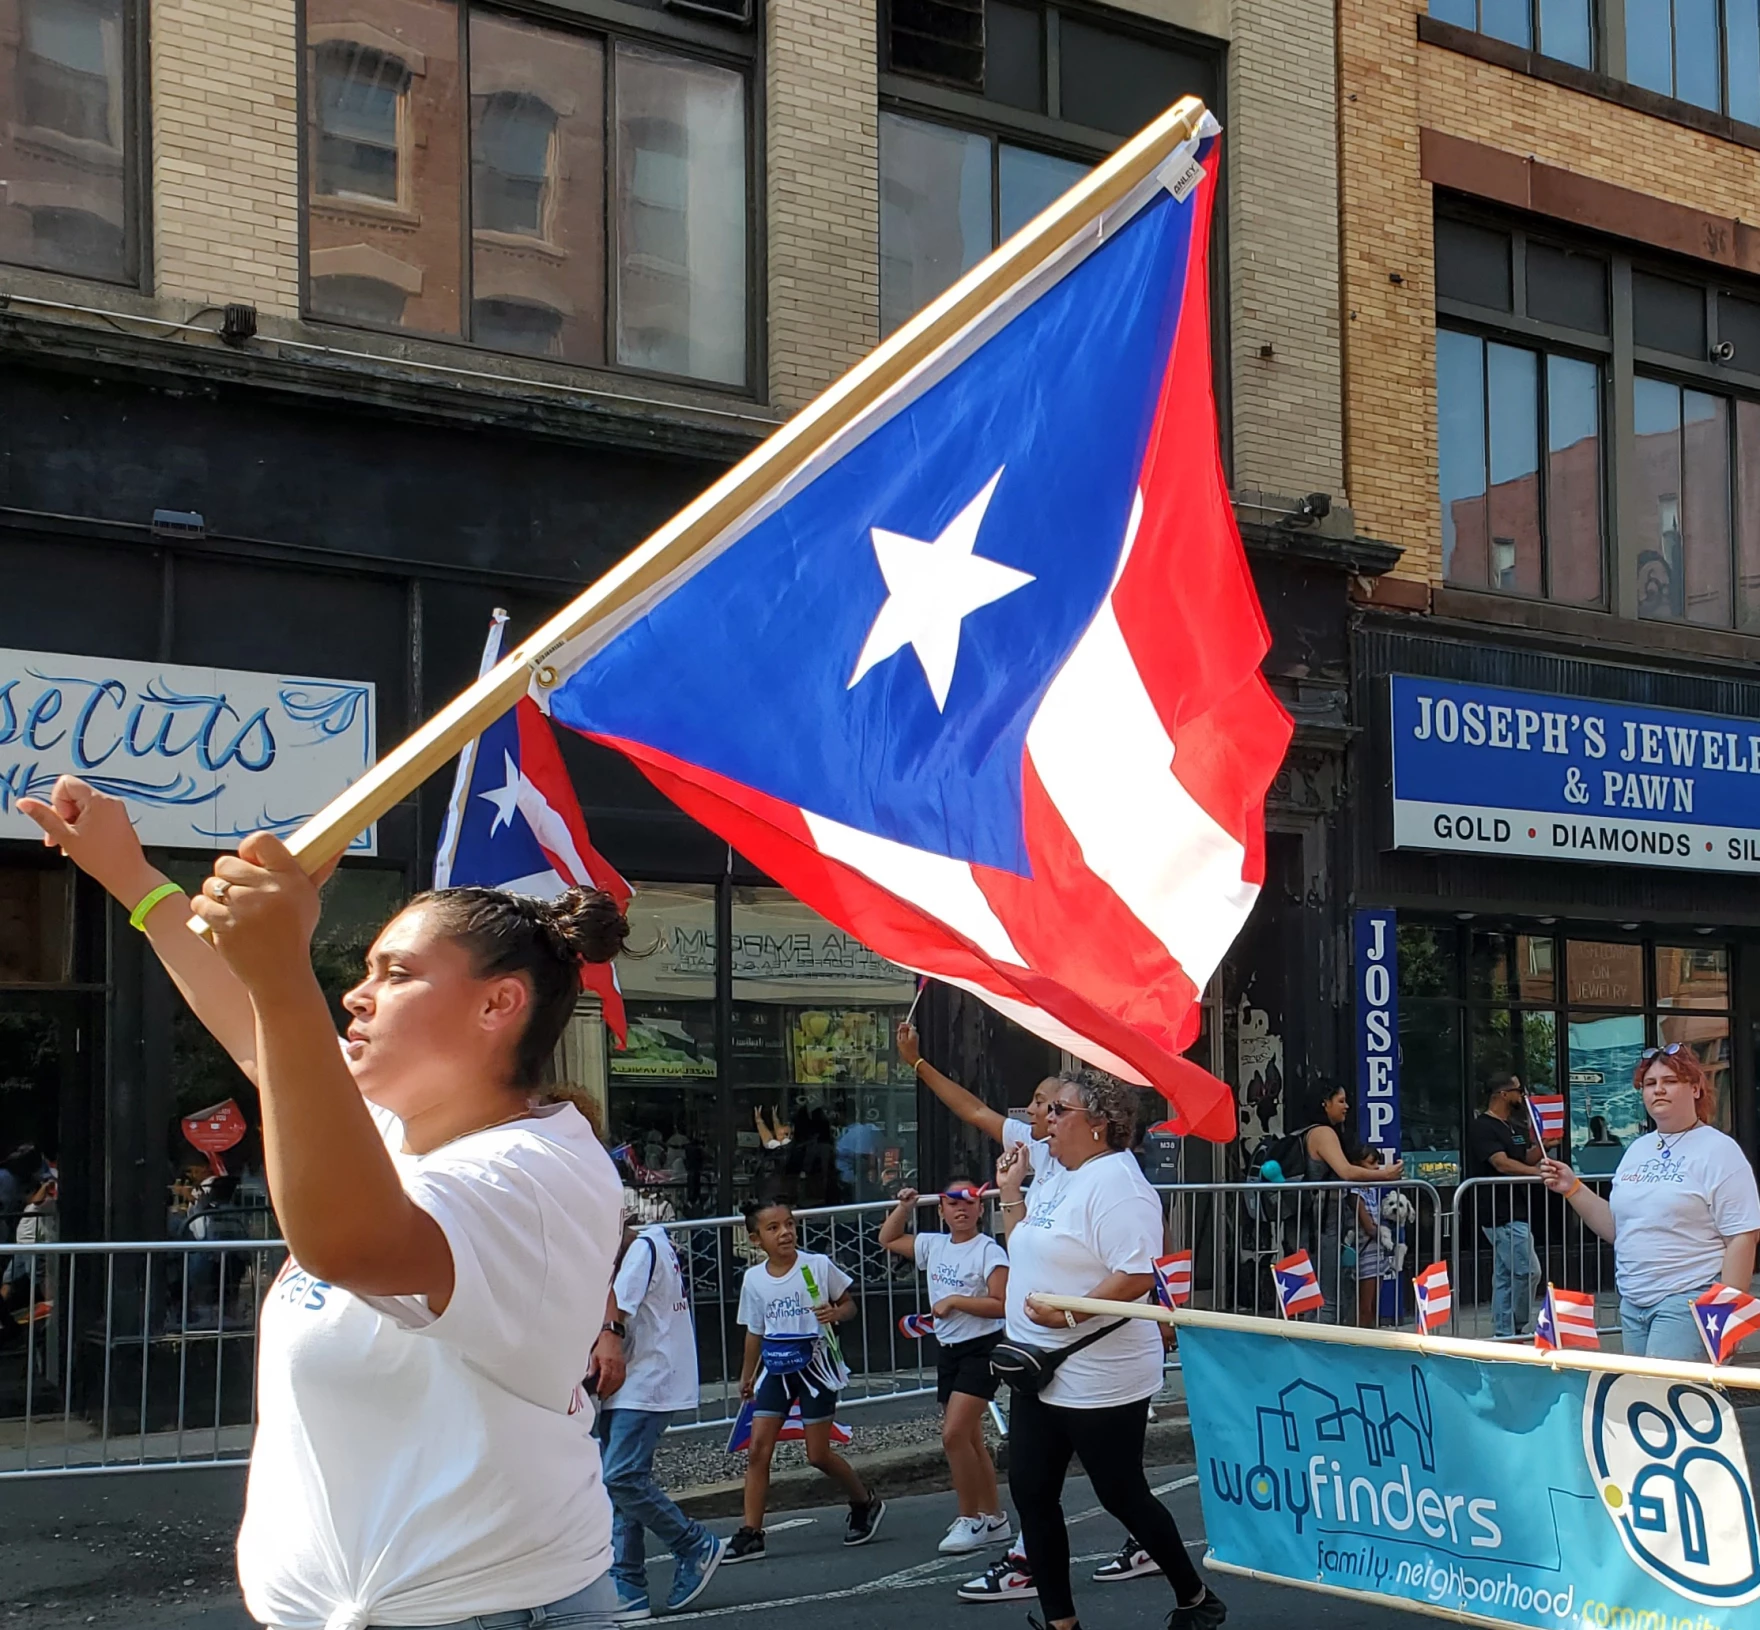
(1048, 1029)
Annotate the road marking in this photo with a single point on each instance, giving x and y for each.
(793, 1522)
(1177, 1483)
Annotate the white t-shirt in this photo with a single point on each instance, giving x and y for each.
(414, 1469)
(772, 1306)
(1047, 1168)
(1671, 1215)
(662, 1343)
(1094, 1222)
(960, 1270)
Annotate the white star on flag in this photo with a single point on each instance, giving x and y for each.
(505, 799)
(932, 587)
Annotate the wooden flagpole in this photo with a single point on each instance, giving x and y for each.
(329, 833)
(1742, 1377)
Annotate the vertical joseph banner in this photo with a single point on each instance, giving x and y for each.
(1501, 1492)
(1375, 968)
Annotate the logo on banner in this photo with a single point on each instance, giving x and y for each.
(1668, 1461)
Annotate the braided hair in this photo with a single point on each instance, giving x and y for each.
(546, 941)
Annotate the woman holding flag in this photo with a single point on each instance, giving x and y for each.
(424, 1451)
(1683, 1213)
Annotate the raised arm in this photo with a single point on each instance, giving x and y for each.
(968, 1106)
(893, 1227)
(93, 830)
(1326, 1146)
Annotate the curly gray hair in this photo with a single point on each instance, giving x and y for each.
(1111, 1100)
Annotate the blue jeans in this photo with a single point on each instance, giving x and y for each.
(1514, 1268)
(594, 1608)
(1666, 1329)
(627, 1440)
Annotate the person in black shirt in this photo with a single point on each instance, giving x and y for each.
(1501, 1144)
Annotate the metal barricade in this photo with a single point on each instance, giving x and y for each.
(1511, 1237)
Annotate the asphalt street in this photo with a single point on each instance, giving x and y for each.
(154, 1552)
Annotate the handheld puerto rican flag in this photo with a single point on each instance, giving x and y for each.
(1298, 1291)
(979, 678)
(625, 1151)
(514, 823)
(1173, 1278)
(793, 1430)
(1726, 1318)
(1435, 1297)
(917, 1326)
(1566, 1319)
(1546, 1111)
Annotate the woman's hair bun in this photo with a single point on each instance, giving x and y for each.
(590, 922)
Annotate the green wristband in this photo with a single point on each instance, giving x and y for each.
(137, 918)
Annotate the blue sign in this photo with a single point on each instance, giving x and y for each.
(1376, 968)
(1488, 1490)
(1489, 771)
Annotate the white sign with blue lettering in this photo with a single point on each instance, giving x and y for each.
(1504, 772)
(202, 756)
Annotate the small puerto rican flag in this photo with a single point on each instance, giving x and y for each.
(1435, 1297)
(793, 1430)
(1546, 1110)
(1173, 1278)
(1566, 1319)
(1298, 1291)
(1726, 1318)
(917, 1326)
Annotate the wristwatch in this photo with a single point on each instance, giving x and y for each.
(616, 1327)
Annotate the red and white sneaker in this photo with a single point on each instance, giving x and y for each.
(1009, 1580)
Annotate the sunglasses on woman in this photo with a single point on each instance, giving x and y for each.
(1662, 1052)
(1054, 1109)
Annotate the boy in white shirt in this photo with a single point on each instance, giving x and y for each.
(654, 1308)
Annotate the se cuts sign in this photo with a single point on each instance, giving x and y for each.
(1491, 771)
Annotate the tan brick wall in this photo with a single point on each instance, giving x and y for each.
(226, 152)
(1391, 87)
(822, 192)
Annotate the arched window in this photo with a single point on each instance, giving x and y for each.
(352, 299)
(359, 112)
(513, 136)
(517, 325)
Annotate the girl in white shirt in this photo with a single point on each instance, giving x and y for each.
(424, 1453)
(968, 1278)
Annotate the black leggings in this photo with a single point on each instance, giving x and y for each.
(1041, 1439)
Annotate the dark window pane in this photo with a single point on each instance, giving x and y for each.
(1512, 380)
(1460, 414)
(62, 162)
(1742, 43)
(1014, 56)
(934, 212)
(1523, 1042)
(1472, 264)
(1705, 522)
(1748, 516)
(537, 189)
(1507, 20)
(1692, 976)
(1738, 322)
(1573, 481)
(939, 39)
(681, 216)
(1650, 45)
(1567, 32)
(1657, 485)
(1430, 1083)
(1668, 316)
(1567, 288)
(1697, 74)
(1028, 182)
(384, 165)
(1119, 82)
(1462, 13)
(1428, 960)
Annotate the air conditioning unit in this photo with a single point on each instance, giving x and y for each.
(723, 11)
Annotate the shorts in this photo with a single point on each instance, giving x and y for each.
(777, 1392)
(965, 1367)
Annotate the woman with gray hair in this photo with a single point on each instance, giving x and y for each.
(1094, 1233)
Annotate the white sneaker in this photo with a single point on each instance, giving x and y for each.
(966, 1534)
(997, 1530)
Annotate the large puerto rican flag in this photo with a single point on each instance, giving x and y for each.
(515, 823)
(980, 682)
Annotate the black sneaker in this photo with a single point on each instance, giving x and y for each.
(1204, 1614)
(1132, 1562)
(864, 1522)
(1007, 1580)
(745, 1546)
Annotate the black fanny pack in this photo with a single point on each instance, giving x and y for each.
(1029, 1369)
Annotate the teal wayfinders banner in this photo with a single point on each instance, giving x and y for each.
(1502, 1492)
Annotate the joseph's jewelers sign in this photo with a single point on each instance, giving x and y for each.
(1508, 772)
(203, 756)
